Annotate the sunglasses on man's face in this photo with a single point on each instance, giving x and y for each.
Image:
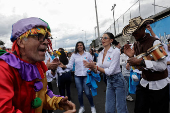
(41, 37)
(104, 38)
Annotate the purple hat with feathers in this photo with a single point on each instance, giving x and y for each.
(24, 25)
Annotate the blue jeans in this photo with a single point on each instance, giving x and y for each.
(127, 80)
(116, 94)
(80, 82)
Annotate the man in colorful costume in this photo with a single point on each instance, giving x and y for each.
(23, 83)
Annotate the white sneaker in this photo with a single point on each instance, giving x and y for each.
(93, 109)
(129, 98)
(81, 110)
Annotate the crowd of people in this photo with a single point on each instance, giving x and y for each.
(29, 67)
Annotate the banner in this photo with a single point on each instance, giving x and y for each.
(162, 29)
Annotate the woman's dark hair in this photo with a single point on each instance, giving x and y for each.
(122, 50)
(92, 52)
(63, 58)
(76, 50)
(68, 54)
(115, 42)
(111, 36)
(100, 49)
(60, 49)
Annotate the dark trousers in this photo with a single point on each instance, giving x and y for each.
(152, 101)
(169, 92)
(65, 81)
(50, 86)
(104, 78)
(72, 76)
(59, 83)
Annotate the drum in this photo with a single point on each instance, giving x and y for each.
(157, 52)
(145, 56)
(140, 56)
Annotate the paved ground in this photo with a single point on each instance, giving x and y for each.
(99, 100)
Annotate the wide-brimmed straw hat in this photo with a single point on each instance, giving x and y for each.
(135, 24)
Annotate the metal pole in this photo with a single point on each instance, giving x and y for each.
(118, 25)
(139, 7)
(55, 43)
(154, 7)
(82, 39)
(113, 17)
(123, 19)
(95, 32)
(97, 19)
(85, 38)
(63, 44)
(160, 6)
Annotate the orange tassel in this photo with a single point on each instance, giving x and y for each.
(15, 47)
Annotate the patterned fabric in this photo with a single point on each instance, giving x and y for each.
(24, 25)
(48, 27)
(135, 24)
(36, 30)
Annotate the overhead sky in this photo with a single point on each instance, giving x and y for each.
(69, 20)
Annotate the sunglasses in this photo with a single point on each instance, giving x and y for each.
(104, 38)
(41, 37)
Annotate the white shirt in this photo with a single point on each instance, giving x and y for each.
(61, 71)
(111, 63)
(49, 76)
(80, 69)
(165, 46)
(123, 62)
(117, 49)
(160, 65)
